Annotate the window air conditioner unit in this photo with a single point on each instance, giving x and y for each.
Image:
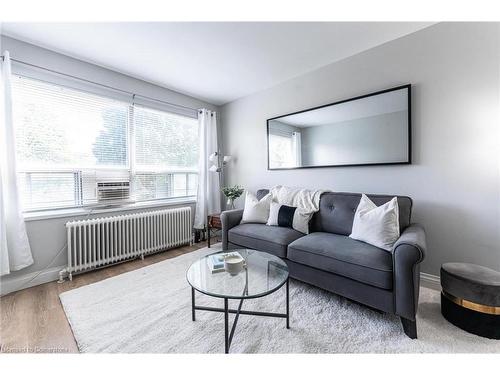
(113, 192)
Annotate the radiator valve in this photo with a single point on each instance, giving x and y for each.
(63, 274)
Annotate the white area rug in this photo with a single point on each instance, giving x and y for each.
(149, 311)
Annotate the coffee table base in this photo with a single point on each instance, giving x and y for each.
(228, 336)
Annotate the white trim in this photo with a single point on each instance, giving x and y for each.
(156, 105)
(430, 281)
(57, 79)
(23, 282)
(80, 211)
(52, 274)
(39, 73)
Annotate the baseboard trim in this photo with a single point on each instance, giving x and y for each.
(22, 282)
(8, 286)
(430, 281)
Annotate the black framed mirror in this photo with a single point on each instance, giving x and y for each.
(373, 129)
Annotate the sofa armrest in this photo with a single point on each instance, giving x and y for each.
(229, 219)
(407, 254)
(414, 236)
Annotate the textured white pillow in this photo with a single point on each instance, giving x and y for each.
(256, 211)
(288, 216)
(378, 226)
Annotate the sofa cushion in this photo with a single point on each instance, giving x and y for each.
(336, 211)
(262, 237)
(256, 210)
(344, 256)
(376, 225)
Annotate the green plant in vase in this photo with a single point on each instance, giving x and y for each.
(232, 193)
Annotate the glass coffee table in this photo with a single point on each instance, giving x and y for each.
(263, 274)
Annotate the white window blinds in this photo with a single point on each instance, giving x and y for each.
(282, 153)
(67, 140)
(165, 140)
(166, 154)
(65, 128)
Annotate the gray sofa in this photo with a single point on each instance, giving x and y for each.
(329, 259)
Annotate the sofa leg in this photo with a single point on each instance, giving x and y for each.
(410, 327)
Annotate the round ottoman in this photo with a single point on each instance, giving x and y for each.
(470, 298)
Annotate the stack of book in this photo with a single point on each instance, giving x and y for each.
(215, 262)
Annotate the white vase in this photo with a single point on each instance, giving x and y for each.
(230, 204)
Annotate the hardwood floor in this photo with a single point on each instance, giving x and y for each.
(33, 320)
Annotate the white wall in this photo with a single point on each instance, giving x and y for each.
(48, 236)
(60, 63)
(381, 138)
(454, 179)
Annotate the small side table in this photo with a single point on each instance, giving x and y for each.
(470, 298)
(213, 224)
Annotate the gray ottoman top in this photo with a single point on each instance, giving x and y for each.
(471, 282)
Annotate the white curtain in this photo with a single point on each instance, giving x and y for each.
(297, 148)
(208, 197)
(15, 251)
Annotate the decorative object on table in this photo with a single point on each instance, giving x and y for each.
(232, 193)
(214, 224)
(470, 298)
(233, 263)
(217, 262)
(257, 282)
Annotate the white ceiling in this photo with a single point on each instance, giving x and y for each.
(389, 102)
(214, 61)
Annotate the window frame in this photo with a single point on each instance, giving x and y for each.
(52, 78)
(287, 137)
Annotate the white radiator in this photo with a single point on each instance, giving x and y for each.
(103, 241)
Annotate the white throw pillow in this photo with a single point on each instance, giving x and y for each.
(256, 211)
(288, 216)
(378, 226)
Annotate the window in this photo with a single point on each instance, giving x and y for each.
(281, 151)
(166, 154)
(67, 140)
(285, 148)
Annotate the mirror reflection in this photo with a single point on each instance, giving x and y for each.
(369, 130)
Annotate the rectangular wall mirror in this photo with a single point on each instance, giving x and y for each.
(372, 129)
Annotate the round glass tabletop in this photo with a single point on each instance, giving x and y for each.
(263, 274)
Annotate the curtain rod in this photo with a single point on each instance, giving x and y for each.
(100, 84)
